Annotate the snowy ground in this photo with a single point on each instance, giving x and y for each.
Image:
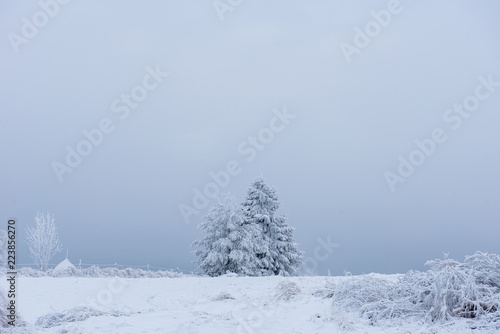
(196, 305)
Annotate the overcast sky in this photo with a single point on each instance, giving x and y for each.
(350, 104)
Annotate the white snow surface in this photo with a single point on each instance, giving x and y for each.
(192, 304)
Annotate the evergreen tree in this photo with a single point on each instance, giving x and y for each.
(261, 200)
(229, 243)
(276, 250)
(285, 257)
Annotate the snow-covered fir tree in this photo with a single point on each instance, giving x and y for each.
(285, 258)
(276, 250)
(261, 200)
(229, 243)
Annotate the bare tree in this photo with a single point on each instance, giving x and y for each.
(42, 239)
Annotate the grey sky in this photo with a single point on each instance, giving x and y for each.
(352, 122)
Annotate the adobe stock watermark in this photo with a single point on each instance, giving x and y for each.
(249, 149)
(371, 30)
(453, 117)
(224, 6)
(30, 27)
(122, 107)
(322, 252)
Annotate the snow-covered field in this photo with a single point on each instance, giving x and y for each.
(197, 305)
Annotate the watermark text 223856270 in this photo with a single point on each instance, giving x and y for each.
(11, 273)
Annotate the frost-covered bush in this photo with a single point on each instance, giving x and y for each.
(222, 296)
(287, 290)
(128, 273)
(92, 271)
(346, 322)
(452, 289)
(79, 313)
(448, 290)
(95, 271)
(374, 298)
(485, 268)
(30, 272)
(325, 291)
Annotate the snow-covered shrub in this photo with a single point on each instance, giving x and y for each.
(92, 271)
(374, 298)
(222, 296)
(452, 289)
(448, 290)
(287, 290)
(30, 272)
(111, 271)
(95, 271)
(346, 322)
(79, 313)
(326, 291)
(485, 268)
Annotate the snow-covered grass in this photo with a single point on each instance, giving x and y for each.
(448, 291)
(450, 297)
(287, 290)
(66, 269)
(232, 305)
(172, 305)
